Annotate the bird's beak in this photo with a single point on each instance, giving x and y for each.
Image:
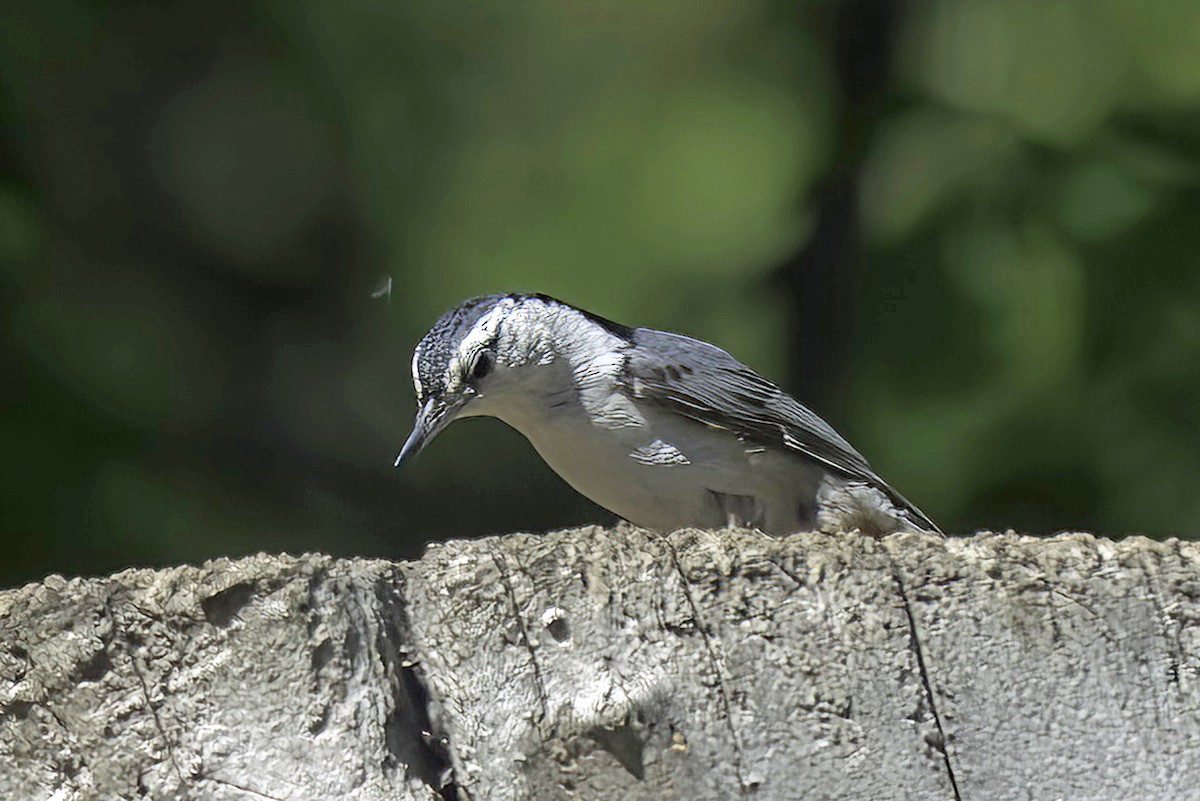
(432, 417)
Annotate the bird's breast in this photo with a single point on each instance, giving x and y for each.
(665, 472)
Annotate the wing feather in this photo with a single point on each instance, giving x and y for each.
(704, 383)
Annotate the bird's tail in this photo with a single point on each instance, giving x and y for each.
(909, 511)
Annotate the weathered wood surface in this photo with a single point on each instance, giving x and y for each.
(611, 664)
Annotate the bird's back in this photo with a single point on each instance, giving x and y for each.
(698, 381)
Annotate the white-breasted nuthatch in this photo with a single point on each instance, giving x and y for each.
(662, 429)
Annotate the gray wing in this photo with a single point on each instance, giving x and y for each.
(704, 383)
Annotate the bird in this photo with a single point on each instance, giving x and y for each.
(663, 430)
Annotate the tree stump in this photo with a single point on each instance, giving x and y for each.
(616, 664)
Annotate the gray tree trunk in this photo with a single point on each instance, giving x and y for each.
(611, 664)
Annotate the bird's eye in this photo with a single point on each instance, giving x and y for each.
(485, 360)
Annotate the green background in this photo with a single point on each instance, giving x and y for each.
(965, 233)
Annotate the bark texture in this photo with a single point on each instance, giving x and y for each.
(612, 664)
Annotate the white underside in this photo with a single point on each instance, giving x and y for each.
(670, 472)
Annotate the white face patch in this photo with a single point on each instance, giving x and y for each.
(483, 332)
(416, 376)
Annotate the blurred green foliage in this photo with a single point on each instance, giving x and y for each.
(966, 233)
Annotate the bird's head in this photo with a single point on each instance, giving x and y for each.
(510, 356)
(456, 363)
(497, 355)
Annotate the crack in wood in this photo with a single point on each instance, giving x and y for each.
(141, 677)
(410, 733)
(714, 660)
(510, 591)
(243, 788)
(68, 734)
(1171, 628)
(926, 683)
